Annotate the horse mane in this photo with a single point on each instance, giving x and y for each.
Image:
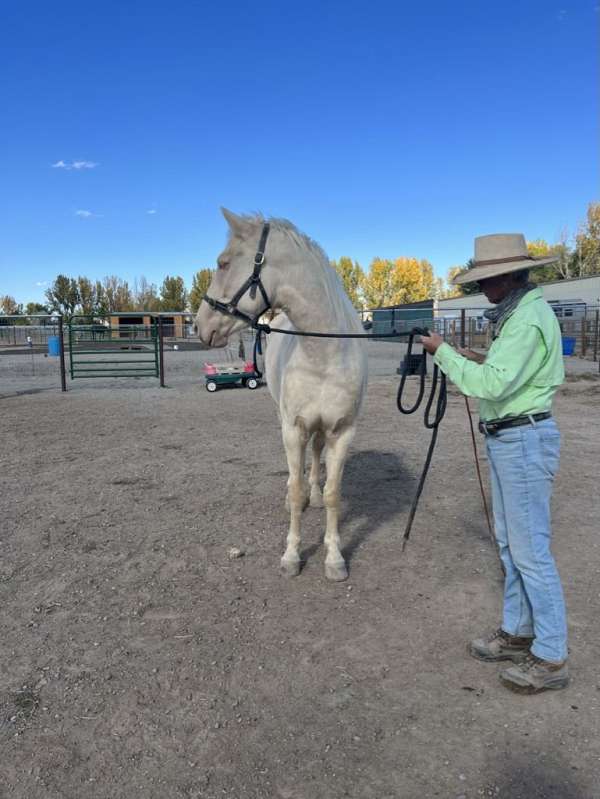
(340, 303)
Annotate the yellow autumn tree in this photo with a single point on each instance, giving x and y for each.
(403, 280)
(352, 277)
(539, 248)
(378, 285)
(452, 290)
(413, 280)
(586, 258)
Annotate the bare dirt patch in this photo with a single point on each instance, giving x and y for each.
(140, 660)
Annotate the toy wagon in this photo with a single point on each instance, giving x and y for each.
(222, 374)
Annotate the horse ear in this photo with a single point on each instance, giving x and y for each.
(237, 224)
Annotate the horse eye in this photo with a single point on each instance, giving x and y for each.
(223, 264)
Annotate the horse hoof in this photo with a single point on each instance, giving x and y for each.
(336, 571)
(290, 568)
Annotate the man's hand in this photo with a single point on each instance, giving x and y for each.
(432, 342)
(471, 355)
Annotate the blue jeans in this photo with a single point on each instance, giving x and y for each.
(523, 461)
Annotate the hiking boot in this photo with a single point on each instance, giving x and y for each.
(500, 646)
(534, 675)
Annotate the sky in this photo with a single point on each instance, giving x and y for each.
(380, 129)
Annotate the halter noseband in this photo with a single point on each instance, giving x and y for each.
(230, 308)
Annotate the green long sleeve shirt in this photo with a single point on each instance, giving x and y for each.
(523, 367)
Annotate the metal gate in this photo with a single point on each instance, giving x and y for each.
(126, 351)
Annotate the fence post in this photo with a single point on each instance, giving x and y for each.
(61, 349)
(584, 335)
(463, 325)
(161, 365)
(596, 331)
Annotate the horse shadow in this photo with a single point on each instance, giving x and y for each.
(376, 488)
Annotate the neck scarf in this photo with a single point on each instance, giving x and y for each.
(500, 313)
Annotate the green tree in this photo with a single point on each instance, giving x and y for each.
(35, 308)
(173, 296)
(63, 296)
(200, 284)
(101, 301)
(88, 305)
(352, 277)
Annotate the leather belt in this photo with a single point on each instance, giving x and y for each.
(493, 427)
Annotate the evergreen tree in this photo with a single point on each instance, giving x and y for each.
(173, 296)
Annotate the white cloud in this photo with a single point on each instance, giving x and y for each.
(78, 165)
(85, 214)
(42, 283)
(151, 211)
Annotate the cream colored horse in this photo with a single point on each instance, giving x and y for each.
(318, 384)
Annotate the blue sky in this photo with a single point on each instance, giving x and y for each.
(380, 129)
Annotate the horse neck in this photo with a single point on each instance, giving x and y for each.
(309, 299)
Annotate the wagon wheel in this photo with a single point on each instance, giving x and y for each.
(252, 382)
(211, 386)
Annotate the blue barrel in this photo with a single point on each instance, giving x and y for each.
(54, 346)
(568, 345)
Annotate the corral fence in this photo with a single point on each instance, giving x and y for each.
(23, 331)
(90, 348)
(467, 327)
(98, 351)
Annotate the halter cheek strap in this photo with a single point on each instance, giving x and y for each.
(252, 284)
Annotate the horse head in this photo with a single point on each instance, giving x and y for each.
(235, 266)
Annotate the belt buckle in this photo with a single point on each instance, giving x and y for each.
(488, 429)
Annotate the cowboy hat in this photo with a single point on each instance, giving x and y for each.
(499, 254)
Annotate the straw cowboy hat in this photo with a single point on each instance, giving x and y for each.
(499, 254)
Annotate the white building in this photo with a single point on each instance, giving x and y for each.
(569, 298)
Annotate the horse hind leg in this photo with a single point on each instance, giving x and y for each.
(316, 497)
(295, 440)
(335, 458)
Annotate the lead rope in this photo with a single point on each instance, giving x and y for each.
(433, 425)
(483, 497)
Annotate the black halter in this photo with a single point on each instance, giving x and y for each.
(230, 308)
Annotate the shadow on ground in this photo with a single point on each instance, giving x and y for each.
(377, 488)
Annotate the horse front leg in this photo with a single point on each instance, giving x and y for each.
(318, 442)
(335, 458)
(295, 440)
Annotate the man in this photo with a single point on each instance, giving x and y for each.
(515, 384)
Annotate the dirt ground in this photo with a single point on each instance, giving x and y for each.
(139, 660)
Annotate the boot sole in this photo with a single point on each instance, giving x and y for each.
(531, 689)
(516, 657)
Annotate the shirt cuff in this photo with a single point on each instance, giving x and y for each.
(445, 355)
